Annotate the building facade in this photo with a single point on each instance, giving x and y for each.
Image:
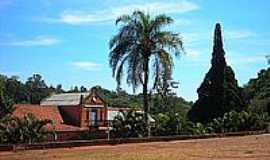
(85, 110)
(73, 114)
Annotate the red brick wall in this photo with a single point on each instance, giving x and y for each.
(66, 135)
(84, 117)
(71, 114)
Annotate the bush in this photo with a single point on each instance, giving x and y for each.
(128, 124)
(28, 129)
(239, 121)
(176, 124)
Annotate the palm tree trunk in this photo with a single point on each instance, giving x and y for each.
(145, 96)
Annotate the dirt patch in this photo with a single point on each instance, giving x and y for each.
(231, 148)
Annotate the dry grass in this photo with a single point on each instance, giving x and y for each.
(233, 148)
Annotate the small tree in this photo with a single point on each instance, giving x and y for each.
(6, 108)
(128, 124)
(6, 104)
(28, 129)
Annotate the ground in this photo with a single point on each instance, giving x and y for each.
(232, 148)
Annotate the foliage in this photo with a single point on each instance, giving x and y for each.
(37, 88)
(219, 92)
(6, 104)
(170, 111)
(257, 92)
(139, 39)
(172, 124)
(121, 98)
(173, 104)
(239, 121)
(177, 124)
(14, 130)
(128, 124)
(28, 129)
(32, 91)
(14, 89)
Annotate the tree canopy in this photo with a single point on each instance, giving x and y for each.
(257, 92)
(219, 92)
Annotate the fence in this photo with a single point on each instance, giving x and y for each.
(79, 143)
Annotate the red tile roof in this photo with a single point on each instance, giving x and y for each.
(45, 112)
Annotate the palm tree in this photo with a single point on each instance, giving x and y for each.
(139, 40)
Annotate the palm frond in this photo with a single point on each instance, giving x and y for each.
(123, 19)
(140, 37)
(160, 21)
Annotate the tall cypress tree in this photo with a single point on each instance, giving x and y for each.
(219, 92)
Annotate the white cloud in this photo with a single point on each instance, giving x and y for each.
(207, 36)
(241, 34)
(181, 22)
(193, 54)
(86, 65)
(36, 41)
(80, 17)
(192, 37)
(246, 60)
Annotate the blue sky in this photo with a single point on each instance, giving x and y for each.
(66, 41)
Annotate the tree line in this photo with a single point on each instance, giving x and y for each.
(33, 90)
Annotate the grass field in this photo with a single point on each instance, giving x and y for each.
(231, 148)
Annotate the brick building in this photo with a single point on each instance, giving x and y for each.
(73, 114)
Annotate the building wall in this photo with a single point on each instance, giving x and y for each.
(66, 135)
(83, 117)
(70, 114)
(86, 116)
(92, 100)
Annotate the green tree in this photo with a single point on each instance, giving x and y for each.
(59, 89)
(6, 104)
(16, 90)
(6, 108)
(257, 92)
(37, 89)
(83, 89)
(139, 40)
(219, 92)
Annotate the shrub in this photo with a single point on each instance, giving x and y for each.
(128, 124)
(28, 129)
(239, 121)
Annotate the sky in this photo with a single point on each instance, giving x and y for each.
(66, 41)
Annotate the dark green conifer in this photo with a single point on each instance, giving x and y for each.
(219, 92)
